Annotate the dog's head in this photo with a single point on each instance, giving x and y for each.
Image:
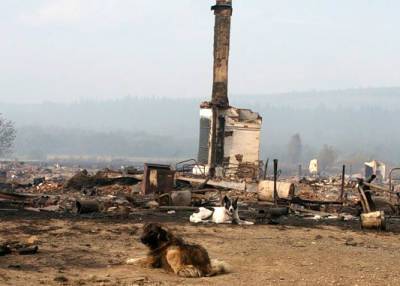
(230, 205)
(154, 235)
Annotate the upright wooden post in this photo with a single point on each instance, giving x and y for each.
(275, 181)
(343, 178)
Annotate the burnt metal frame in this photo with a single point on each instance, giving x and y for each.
(188, 167)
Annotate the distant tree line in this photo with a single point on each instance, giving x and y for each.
(361, 125)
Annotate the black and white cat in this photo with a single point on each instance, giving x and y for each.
(227, 213)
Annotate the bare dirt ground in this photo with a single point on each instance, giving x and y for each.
(89, 251)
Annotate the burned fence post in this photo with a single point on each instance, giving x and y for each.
(342, 187)
(275, 179)
(370, 218)
(266, 169)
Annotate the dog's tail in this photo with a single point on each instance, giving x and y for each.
(219, 267)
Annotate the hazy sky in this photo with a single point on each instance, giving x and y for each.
(62, 50)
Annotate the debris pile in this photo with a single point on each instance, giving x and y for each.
(160, 188)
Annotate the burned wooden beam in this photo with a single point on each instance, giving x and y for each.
(377, 187)
(300, 201)
(239, 186)
(178, 208)
(6, 195)
(13, 186)
(83, 179)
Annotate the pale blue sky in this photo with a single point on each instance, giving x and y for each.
(63, 50)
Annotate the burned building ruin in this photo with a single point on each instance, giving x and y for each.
(229, 141)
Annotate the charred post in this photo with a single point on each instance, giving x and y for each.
(275, 179)
(343, 181)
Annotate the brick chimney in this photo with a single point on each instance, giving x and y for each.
(223, 13)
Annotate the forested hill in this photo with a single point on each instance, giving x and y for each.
(357, 122)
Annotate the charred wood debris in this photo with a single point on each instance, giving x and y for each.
(167, 190)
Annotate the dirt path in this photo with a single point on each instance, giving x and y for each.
(93, 252)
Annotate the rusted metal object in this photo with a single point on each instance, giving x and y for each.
(192, 167)
(84, 207)
(157, 178)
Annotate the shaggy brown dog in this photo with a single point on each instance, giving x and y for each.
(173, 254)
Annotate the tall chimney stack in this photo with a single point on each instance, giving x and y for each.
(223, 13)
(229, 137)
